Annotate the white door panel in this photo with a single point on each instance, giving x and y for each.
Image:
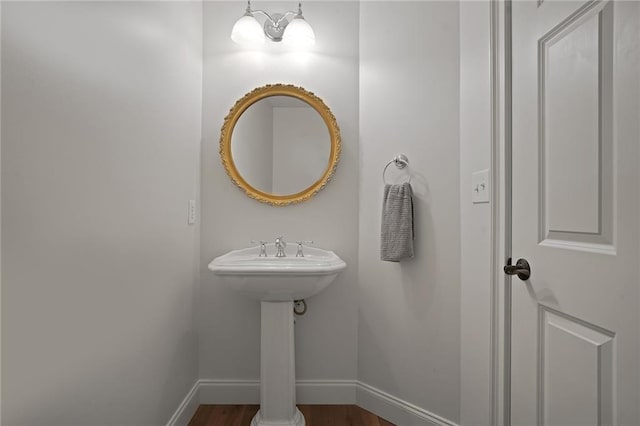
(575, 322)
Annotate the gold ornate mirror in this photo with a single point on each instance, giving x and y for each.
(280, 144)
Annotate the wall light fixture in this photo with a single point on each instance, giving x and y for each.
(297, 32)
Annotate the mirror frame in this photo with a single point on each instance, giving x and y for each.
(283, 90)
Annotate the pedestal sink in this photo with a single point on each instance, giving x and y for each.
(277, 282)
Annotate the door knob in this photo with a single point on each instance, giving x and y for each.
(521, 269)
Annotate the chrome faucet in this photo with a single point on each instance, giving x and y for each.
(280, 245)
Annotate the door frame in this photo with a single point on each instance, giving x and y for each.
(501, 142)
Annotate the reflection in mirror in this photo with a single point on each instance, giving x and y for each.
(281, 145)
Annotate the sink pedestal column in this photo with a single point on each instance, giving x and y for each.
(277, 368)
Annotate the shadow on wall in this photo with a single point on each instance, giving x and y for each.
(177, 373)
(412, 277)
(385, 371)
(98, 392)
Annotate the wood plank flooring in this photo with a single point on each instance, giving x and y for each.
(315, 415)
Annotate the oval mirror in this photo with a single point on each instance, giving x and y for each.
(280, 144)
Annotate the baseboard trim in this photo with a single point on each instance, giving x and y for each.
(187, 407)
(216, 391)
(326, 392)
(395, 409)
(229, 391)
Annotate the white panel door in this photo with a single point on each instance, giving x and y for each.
(575, 327)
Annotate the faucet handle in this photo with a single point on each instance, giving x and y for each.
(300, 243)
(263, 247)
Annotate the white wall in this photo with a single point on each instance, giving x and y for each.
(229, 324)
(475, 154)
(409, 312)
(100, 142)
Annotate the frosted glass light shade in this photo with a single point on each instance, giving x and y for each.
(247, 31)
(299, 33)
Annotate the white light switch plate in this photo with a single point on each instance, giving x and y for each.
(480, 187)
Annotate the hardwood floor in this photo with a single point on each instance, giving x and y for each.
(315, 415)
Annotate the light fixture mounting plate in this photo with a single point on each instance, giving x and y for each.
(275, 32)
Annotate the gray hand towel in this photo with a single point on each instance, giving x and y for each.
(396, 234)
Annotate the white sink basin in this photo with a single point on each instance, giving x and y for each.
(278, 278)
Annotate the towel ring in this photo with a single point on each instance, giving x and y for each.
(401, 161)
